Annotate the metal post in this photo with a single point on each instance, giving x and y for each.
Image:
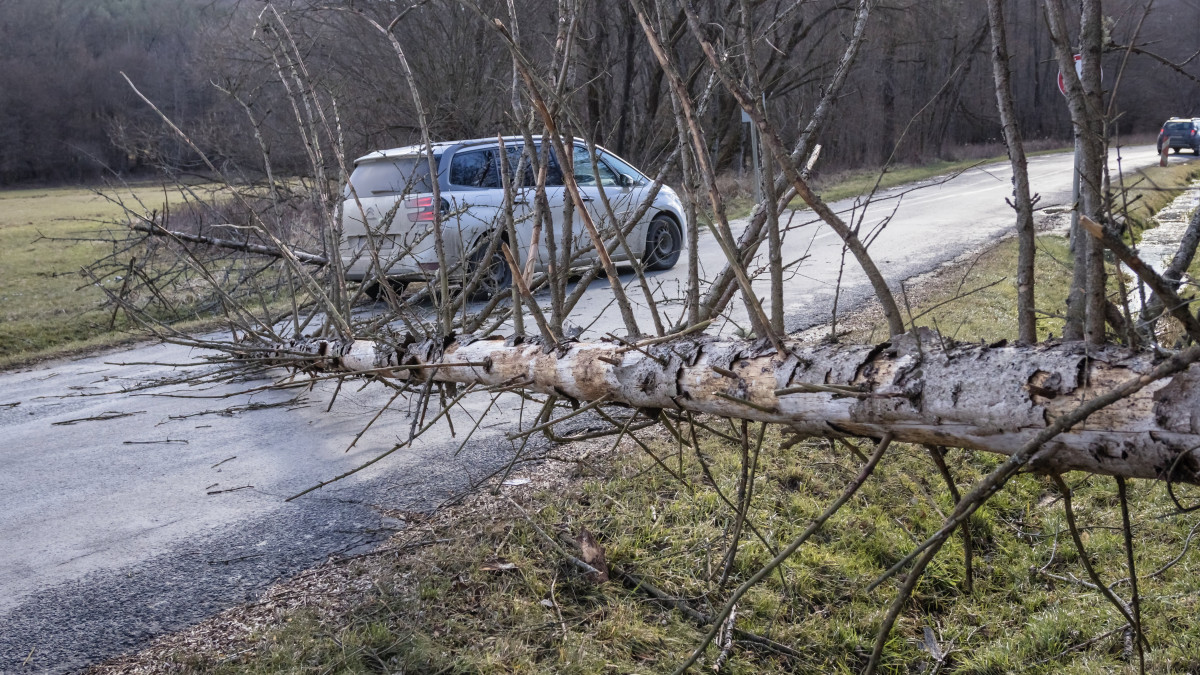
(1075, 191)
(754, 157)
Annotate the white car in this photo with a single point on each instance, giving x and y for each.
(388, 213)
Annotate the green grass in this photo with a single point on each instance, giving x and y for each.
(444, 610)
(44, 301)
(1150, 189)
(978, 302)
(47, 307)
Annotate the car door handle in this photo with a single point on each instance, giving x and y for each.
(585, 198)
(520, 202)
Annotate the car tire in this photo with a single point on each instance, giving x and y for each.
(497, 278)
(664, 241)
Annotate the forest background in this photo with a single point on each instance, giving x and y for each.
(66, 116)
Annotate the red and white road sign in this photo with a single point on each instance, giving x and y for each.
(1062, 86)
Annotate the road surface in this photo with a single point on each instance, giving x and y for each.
(128, 515)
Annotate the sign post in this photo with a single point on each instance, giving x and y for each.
(758, 188)
(1062, 88)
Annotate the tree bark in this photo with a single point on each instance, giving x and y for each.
(1084, 99)
(245, 247)
(1026, 321)
(993, 399)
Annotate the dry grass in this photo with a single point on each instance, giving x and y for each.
(490, 596)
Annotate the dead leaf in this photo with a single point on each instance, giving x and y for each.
(592, 553)
(498, 565)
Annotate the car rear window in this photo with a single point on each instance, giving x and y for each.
(1177, 126)
(397, 175)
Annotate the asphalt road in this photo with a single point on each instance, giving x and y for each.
(128, 515)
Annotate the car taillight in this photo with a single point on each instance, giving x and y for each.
(421, 209)
(1162, 130)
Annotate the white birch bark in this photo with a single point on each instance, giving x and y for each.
(993, 399)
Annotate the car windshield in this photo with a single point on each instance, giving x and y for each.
(395, 175)
(1177, 126)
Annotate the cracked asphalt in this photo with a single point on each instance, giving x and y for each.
(126, 515)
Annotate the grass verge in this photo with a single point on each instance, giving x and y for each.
(1148, 190)
(485, 593)
(857, 183)
(975, 299)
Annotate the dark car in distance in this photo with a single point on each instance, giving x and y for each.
(1180, 132)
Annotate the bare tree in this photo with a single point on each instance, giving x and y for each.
(1048, 408)
(1023, 203)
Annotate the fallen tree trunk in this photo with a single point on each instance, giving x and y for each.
(990, 398)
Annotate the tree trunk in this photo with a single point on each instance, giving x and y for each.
(1084, 100)
(1026, 321)
(993, 399)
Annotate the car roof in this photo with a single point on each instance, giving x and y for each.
(438, 148)
(406, 151)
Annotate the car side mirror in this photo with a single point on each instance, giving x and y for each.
(625, 180)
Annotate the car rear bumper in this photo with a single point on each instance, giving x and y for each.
(395, 262)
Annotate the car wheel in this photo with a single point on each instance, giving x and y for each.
(496, 277)
(664, 241)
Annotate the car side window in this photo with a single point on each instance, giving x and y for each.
(475, 168)
(622, 167)
(515, 154)
(554, 174)
(584, 175)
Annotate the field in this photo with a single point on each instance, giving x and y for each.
(47, 235)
